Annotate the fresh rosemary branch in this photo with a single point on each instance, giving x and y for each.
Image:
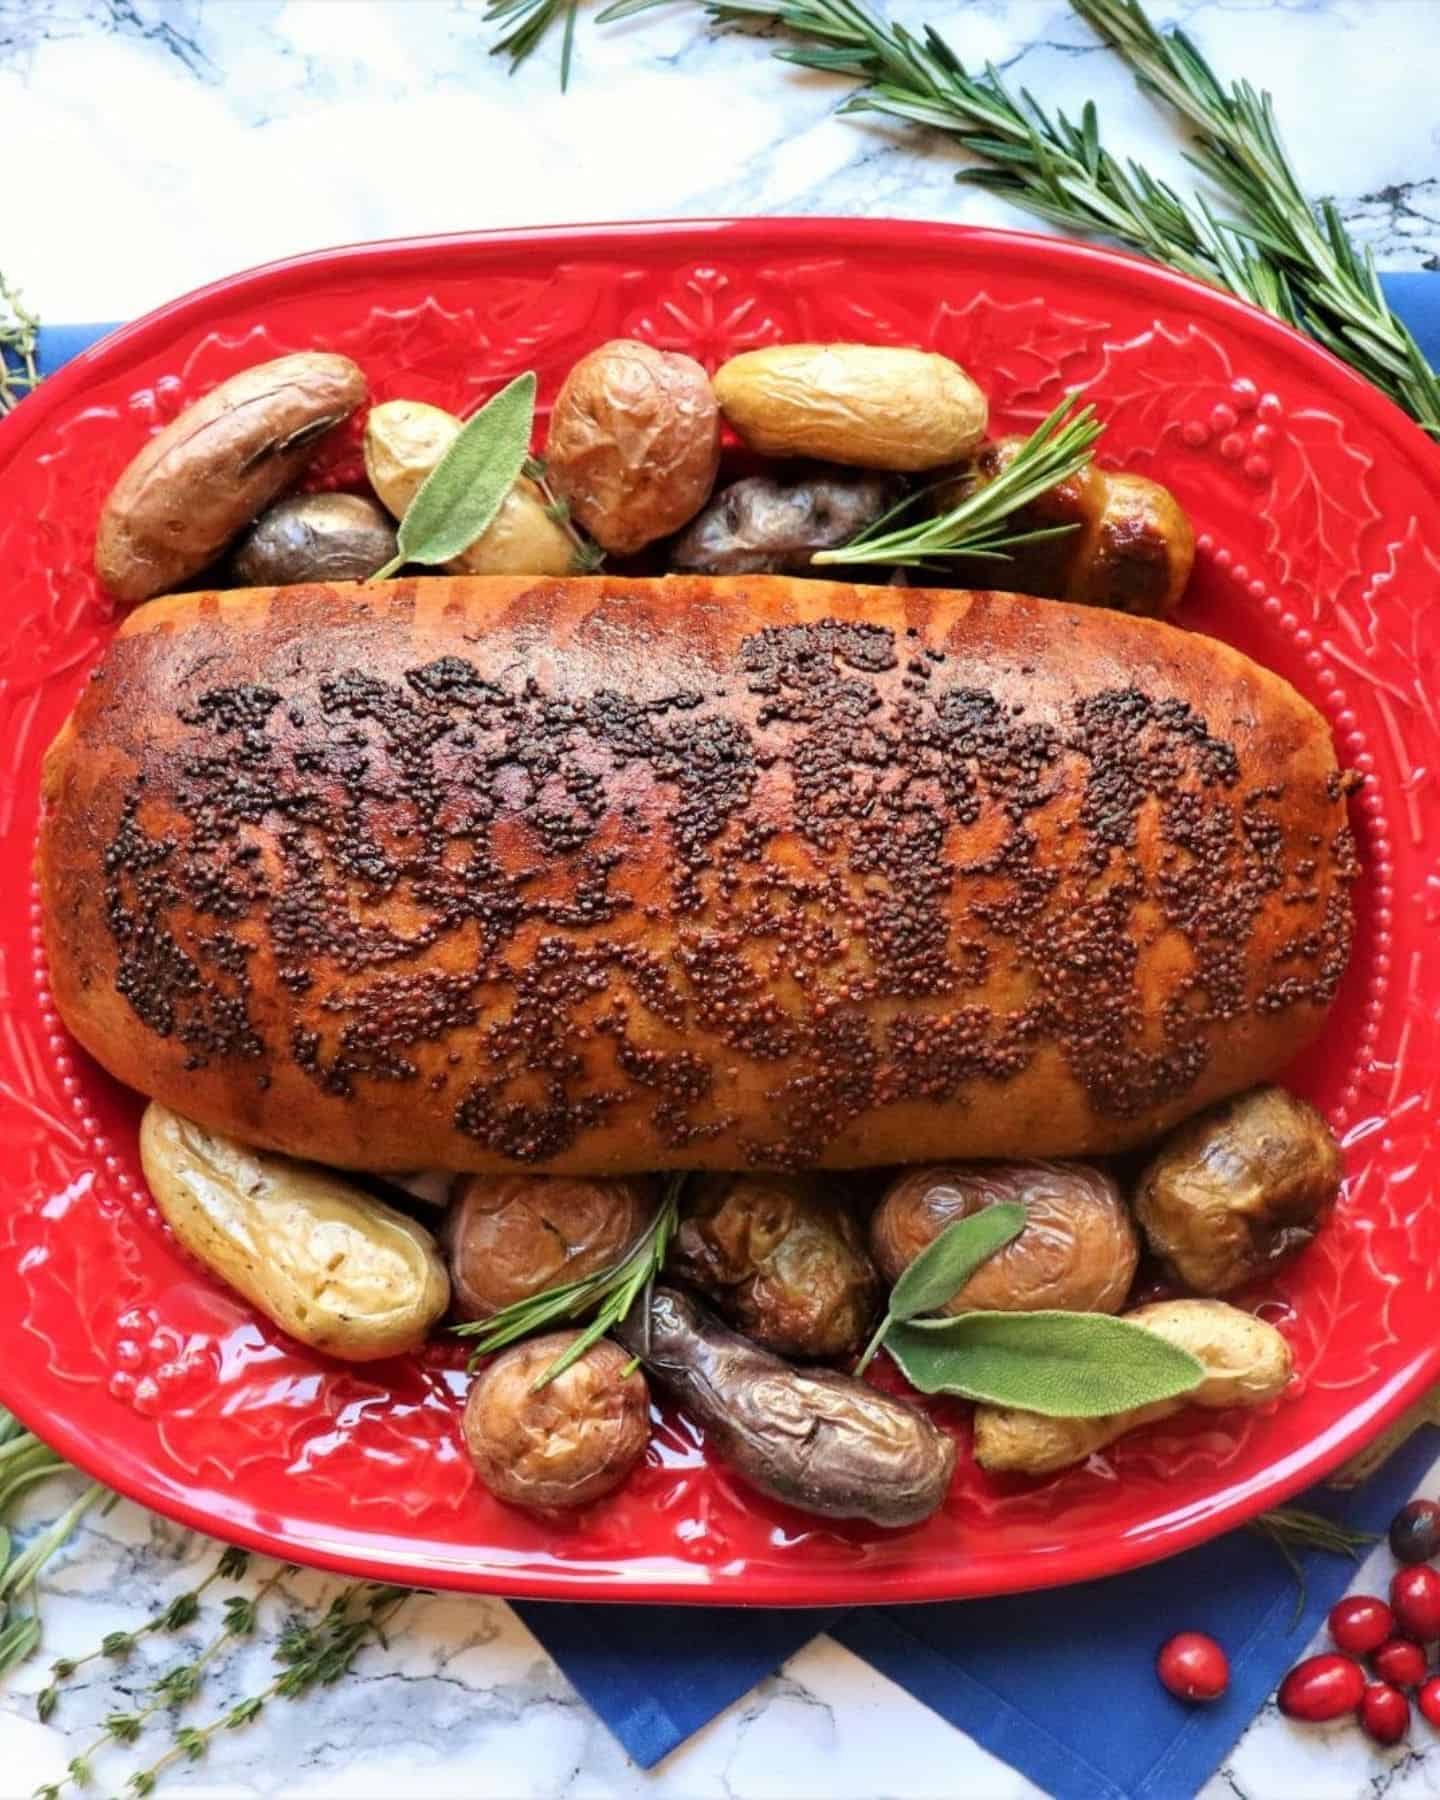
(310, 1656)
(1058, 448)
(1291, 1528)
(174, 1616)
(24, 1460)
(528, 21)
(19, 335)
(610, 1292)
(1238, 147)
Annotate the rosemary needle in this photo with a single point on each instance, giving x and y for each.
(1058, 448)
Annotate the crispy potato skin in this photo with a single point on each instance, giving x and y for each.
(1077, 1253)
(566, 1444)
(610, 875)
(869, 405)
(212, 470)
(1246, 1361)
(330, 1264)
(1239, 1189)
(1129, 544)
(634, 443)
(513, 1236)
(781, 1259)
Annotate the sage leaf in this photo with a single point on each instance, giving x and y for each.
(943, 1267)
(1064, 1365)
(461, 495)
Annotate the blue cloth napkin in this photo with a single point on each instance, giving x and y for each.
(1058, 1684)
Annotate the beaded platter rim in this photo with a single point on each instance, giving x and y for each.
(1250, 457)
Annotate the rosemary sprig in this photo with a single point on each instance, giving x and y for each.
(588, 557)
(1058, 448)
(19, 336)
(1238, 147)
(1291, 1529)
(175, 1615)
(609, 1292)
(532, 19)
(309, 1656)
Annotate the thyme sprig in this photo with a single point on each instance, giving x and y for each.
(176, 1687)
(24, 1461)
(175, 1615)
(1060, 446)
(588, 556)
(609, 1293)
(309, 1656)
(19, 340)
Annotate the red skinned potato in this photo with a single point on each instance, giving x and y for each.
(634, 443)
(201, 480)
(567, 1443)
(512, 1236)
(1077, 1253)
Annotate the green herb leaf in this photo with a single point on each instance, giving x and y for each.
(1064, 1365)
(462, 494)
(943, 1267)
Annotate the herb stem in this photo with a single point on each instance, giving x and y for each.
(19, 340)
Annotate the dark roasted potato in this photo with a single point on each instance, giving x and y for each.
(1238, 1188)
(1130, 546)
(200, 481)
(765, 525)
(814, 1438)
(1077, 1252)
(780, 1261)
(567, 1443)
(511, 1236)
(314, 537)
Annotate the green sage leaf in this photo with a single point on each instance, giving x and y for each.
(943, 1267)
(461, 495)
(1065, 1365)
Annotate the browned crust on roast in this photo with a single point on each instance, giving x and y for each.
(602, 875)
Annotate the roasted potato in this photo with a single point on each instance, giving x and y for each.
(1239, 1188)
(511, 1236)
(634, 443)
(1130, 545)
(564, 1444)
(780, 1260)
(404, 439)
(1077, 1253)
(333, 1267)
(201, 480)
(767, 524)
(1247, 1363)
(863, 404)
(814, 1438)
(314, 537)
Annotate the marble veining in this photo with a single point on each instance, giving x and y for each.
(172, 141)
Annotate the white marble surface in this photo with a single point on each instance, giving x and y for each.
(171, 141)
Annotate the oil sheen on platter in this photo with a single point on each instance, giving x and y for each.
(1309, 494)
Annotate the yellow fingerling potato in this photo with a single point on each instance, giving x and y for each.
(404, 439)
(1246, 1363)
(864, 404)
(331, 1266)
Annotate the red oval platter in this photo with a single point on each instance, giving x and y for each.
(1313, 498)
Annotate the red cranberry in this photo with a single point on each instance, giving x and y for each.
(1415, 1532)
(1385, 1713)
(1322, 1687)
(1400, 1662)
(1361, 1623)
(1193, 1667)
(1429, 1699)
(1415, 1599)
